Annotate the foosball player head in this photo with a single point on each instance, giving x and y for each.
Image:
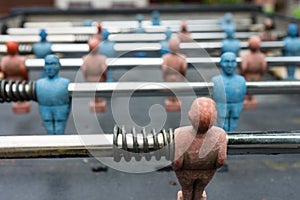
(172, 105)
(98, 105)
(21, 107)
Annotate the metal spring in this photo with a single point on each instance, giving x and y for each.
(25, 48)
(156, 144)
(17, 91)
(81, 38)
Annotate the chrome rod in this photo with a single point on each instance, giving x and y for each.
(101, 145)
(179, 88)
(263, 143)
(132, 23)
(139, 89)
(141, 46)
(119, 37)
(128, 63)
(121, 89)
(121, 29)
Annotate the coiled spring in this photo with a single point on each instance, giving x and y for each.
(25, 48)
(17, 91)
(81, 38)
(136, 145)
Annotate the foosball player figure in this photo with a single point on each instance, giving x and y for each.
(230, 43)
(97, 35)
(184, 35)
(140, 28)
(165, 43)
(291, 48)
(268, 34)
(155, 18)
(43, 47)
(13, 68)
(253, 67)
(94, 69)
(53, 97)
(229, 93)
(200, 150)
(227, 21)
(174, 68)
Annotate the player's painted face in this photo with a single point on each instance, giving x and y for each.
(43, 34)
(228, 63)
(292, 30)
(52, 66)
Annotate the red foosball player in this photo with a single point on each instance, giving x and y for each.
(253, 67)
(174, 68)
(184, 35)
(199, 150)
(94, 70)
(13, 68)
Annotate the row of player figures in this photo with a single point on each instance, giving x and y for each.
(218, 25)
(174, 68)
(251, 70)
(132, 26)
(172, 104)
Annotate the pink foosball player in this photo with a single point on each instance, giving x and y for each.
(172, 104)
(199, 150)
(94, 70)
(174, 68)
(13, 68)
(184, 35)
(98, 105)
(253, 67)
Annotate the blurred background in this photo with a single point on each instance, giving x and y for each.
(287, 7)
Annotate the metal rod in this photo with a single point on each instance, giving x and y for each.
(263, 143)
(53, 30)
(218, 45)
(126, 47)
(124, 37)
(178, 88)
(117, 29)
(119, 89)
(131, 23)
(101, 145)
(156, 46)
(128, 63)
(124, 26)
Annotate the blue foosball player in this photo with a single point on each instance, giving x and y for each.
(165, 43)
(52, 97)
(291, 48)
(140, 28)
(155, 18)
(230, 44)
(43, 47)
(229, 93)
(227, 21)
